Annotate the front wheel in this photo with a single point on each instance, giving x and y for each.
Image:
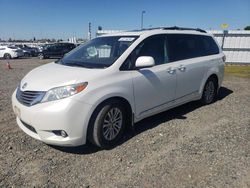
(108, 124)
(7, 56)
(209, 91)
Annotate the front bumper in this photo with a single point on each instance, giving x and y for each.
(66, 114)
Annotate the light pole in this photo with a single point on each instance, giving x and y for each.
(143, 12)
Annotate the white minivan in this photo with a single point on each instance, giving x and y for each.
(98, 89)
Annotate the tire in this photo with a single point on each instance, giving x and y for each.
(40, 56)
(103, 131)
(7, 56)
(209, 92)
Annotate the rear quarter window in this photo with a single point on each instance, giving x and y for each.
(186, 46)
(208, 46)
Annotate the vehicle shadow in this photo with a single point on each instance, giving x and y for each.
(81, 150)
(148, 123)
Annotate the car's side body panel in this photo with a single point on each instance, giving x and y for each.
(154, 89)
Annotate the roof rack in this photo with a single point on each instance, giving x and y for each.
(184, 28)
(175, 28)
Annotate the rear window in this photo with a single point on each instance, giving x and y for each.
(185, 46)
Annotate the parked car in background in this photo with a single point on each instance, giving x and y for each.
(56, 50)
(41, 47)
(9, 52)
(27, 50)
(98, 89)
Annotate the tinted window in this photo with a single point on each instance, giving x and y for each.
(71, 46)
(53, 47)
(153, 46)
(61, 46)
(208, 45)
(181, 46)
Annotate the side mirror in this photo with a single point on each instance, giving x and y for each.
(144, 61)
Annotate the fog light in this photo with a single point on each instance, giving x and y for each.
(64, 134)
(61, 133)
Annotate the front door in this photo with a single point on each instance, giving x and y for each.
(154, 87)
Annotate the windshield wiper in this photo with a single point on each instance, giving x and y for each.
(73, 64)
(82, 64)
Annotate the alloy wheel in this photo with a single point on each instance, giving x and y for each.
(112, 123)
(209, 91)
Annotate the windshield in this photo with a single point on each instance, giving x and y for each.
(98, 53)
(12, 47)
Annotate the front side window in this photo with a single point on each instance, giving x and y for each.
(52, 47)
(100, 52)
(69, 46)
(60, 46)
(153, 46)
(47, 46)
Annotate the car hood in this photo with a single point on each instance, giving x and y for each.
(53, 75)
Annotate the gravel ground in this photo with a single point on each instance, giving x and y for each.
(189, 146)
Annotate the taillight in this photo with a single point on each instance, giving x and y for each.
(224, 58)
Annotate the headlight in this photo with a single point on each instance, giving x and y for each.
(63, 92)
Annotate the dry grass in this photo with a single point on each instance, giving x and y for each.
(235, 70)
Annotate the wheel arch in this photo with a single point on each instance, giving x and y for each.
(6, 53)
(215, 76)
(128, 107)
(211, 75)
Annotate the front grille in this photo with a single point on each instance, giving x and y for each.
(29, 127)
(29, 98)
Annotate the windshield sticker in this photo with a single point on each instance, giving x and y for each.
(126, 39)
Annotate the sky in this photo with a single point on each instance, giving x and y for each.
(25, 19)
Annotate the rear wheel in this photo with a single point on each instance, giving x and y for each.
(40, 56)
(107, 124)
(209, 91)
(7, 56)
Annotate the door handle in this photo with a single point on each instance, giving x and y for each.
(182, 68)
(171, 71)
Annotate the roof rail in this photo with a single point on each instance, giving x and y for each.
(173, 28)
(183, 28)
